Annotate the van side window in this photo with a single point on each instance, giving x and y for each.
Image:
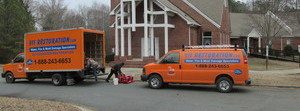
(19, 59)
(172, 58)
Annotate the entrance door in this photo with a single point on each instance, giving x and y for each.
(142, 47)
(156, 47)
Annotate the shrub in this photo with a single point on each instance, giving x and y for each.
(288, 50)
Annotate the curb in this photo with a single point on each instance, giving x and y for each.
(277, 86)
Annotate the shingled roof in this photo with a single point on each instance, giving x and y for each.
(213, 9)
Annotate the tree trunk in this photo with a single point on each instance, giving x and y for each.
(267, 57)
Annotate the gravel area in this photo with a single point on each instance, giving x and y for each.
(14, 104)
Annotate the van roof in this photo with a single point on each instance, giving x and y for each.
(210, 49)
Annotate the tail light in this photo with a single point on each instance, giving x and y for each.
(245, 60)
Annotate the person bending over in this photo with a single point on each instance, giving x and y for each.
(96, 67)
(116, 69)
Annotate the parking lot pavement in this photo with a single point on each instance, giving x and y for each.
(103, 96)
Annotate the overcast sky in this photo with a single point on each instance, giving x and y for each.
(74, 4)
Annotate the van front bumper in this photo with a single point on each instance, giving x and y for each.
(3, 75)
(248, 82)
(144, 77)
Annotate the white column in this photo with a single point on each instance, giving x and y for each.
(146, 46)
(166, 34)
(248, 45)
(116, 36)
(152, 29)
(189, 35)
(259, 44)
(122, 29)
(133, 14)
(129, 32)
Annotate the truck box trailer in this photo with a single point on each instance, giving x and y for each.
(59, 55)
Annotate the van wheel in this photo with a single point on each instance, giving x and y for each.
(155, 82)
(59, 79)
(224, 85)
(9, 77)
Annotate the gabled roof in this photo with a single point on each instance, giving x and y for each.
(171, 7)
(175, 9)
(242, 25)
(210, 9)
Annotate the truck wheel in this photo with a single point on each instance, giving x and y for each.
(59, 79)
(78, 79)
(224, 85)
(9, 77)
(155, 82)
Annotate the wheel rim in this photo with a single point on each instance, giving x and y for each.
(9, 78)
(154, 82)
(224, 85)
(55, 80)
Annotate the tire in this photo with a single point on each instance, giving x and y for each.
(59, 79)
(155, 82)
(224, 85)
(9, 77)
(78, 79)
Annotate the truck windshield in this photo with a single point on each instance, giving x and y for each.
(19, 58)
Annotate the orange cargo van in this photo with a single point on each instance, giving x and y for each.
(56, 54)
(221, 65)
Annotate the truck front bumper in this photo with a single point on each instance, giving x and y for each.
(144, 77)
(248, 82)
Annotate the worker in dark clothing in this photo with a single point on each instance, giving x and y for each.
(116, 69)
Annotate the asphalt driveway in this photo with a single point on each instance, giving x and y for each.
(138, 97)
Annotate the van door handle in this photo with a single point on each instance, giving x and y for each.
(179, 66)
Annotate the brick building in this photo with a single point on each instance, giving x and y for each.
(144, 30)
(246, 36)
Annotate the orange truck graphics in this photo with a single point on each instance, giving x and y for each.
(61, 52)
(221, 66)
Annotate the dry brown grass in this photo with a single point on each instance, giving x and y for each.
(260, 64)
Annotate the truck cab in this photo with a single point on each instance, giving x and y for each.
(15, 69)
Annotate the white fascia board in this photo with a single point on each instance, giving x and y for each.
(201, 13)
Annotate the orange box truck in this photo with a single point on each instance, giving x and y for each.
(59, 55)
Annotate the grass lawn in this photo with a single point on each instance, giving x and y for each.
(260, 64)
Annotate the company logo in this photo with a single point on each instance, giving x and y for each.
(29, 62)
(238, 72)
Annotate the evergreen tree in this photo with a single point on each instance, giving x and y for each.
(237, 6)
(15, 21)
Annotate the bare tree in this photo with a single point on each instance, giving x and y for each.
(73, 19)
(49, 14)
(96, 16)
(267, 22)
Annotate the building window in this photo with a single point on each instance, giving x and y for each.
(288, 42)
(207, 38)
